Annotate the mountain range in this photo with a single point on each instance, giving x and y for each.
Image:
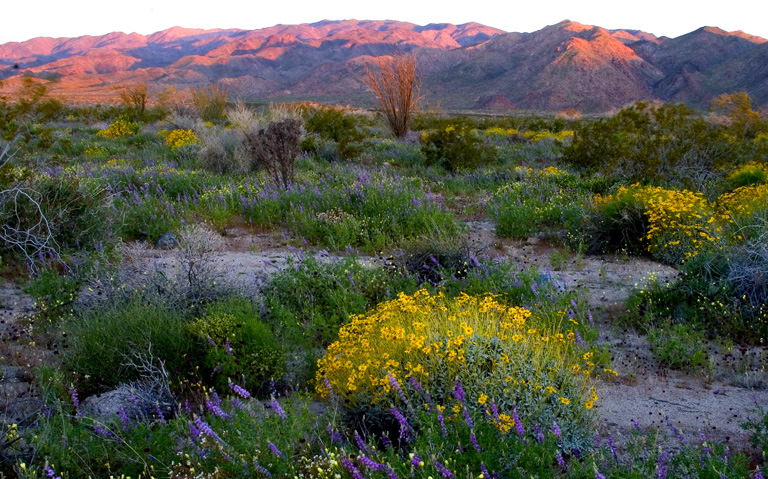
(469, 66)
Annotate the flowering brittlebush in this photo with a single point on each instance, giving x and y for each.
(680, 223)
(178, 138)
(501, 355)
(119, 128)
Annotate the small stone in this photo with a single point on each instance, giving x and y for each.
(167, 241)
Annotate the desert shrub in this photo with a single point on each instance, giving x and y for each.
(679, 347)
(748, 275)
(178, 138)
(334, 124)
(749, 174)
(471, 349)
(744, 207)
(106, 344)
(222, 150)
(240, 348)
(666, 143)
(539, 202)
(454, 148)
(308, 303)
(119, 128)
(49, 215)
(670, 225)
(394, 152)
(275, 149)
(210, 103)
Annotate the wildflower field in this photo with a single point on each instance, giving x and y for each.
(385, 344)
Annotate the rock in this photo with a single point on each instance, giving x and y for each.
(134, 401)
(167, 241)
(533, 240)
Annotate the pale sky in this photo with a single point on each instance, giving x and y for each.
(25, 19)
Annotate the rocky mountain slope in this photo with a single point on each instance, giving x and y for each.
(567, 65)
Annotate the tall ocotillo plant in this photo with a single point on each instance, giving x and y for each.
(397, 86)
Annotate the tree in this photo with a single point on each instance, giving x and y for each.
(737, 107)
(397, 86)
(135, 97)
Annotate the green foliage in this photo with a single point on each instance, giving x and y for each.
(454, 148)
(759, 437)
(749, 174)
(107, 343)
(333, 124)
(241, 348)
(679, 347)
(308, 303)
(546, 201)
(646, 142)
(620, 225)
(210, 103)
(54, 293)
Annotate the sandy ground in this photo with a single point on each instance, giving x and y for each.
(712, 405)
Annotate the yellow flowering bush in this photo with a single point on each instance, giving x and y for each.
(501, 355)
(119, 129)
(748, 174)
(677, 225)
(178, 138)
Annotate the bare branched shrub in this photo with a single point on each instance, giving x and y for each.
(33, 237)
(397, 86)
(275, 149)
(135, 98)
(196, 254)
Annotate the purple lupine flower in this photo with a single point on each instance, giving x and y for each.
(444, 471)
(49, 472)
(556, 430)
(560, 460)
(278, 408)
(369, 463)
(215, 399)
(275, 450)
(206, 429)
(598, 475)
(216, 410)
(75, 398)
(468, 418)
(518, 423)
(404, 426)
(484, 471)
(194, 431)
(391, 474)
(441, 420)
(347, 464)
(579, 340)
(103, 432)
(473, 440)
(661, 465)
(335, 436)
(758, 474)
(396, 386)
(228, 348)
(416, 460)
(261, 469)
(123, 416)
(360, 443)
(240, 391)
(236, 403)
(458, 392)
(495, 410)
(612, 446)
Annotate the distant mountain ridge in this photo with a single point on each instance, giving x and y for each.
(566, 65)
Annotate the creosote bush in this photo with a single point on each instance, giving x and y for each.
(454, 148)
(275, 149)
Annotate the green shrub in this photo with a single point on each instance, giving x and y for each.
(679, 347)
(106, 344)
(336, 125)
(241, 349)
(454, 148)
(647, 142)
(752, 173)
